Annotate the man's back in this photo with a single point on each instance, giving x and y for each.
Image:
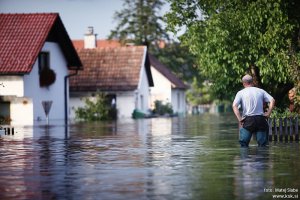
(252, 100)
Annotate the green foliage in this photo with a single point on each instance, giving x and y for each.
(199, 93)
(161, 108)
(282, 113)
(139, 22)
(179, 60)
(230, 37)
(94, 110)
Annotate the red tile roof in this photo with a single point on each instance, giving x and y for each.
(79, 44)
(109, 69)
(22, 37)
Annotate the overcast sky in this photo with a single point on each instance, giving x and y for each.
(76, 15)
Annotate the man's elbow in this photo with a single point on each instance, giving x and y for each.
(273, 101)
(234, 107)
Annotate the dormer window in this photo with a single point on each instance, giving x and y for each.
(44, 61)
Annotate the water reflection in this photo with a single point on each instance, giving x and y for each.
(196, 157)
(253, 173)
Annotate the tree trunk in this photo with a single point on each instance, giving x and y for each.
(254, 71)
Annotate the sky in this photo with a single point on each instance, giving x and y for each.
(76, 15)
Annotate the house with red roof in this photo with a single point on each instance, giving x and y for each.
(121, 72)
(108, 62)
(36, 58)
(168, 88)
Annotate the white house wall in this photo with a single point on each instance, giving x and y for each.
(161, 90)
(21, 110)
(12, 86)
(143, 92)
(54, 92)
(178, 101)
(74, 103)
(125, 103)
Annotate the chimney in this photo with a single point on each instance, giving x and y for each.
(90, 39)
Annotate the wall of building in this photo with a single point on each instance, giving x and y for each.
(125, 103)
(12, 86)
(178, 101)
(21, 111)
(54, 92)
(143, 91)
(161, 90)
(25, 94)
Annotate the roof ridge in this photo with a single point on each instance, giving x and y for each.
(36, 13)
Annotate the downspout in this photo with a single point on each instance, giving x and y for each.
(66, 94)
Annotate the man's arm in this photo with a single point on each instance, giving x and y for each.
(270, 108)
(236, 112)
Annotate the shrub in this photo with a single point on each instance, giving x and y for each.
(162, 109)
(95, 110)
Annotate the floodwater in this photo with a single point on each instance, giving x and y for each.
(193, 157)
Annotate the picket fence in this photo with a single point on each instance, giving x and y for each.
(284, 129)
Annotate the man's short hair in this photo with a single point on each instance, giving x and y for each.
(247, 79)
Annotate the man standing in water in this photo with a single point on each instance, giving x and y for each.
(253, 119)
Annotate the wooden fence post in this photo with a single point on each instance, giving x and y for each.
(291, 129)
(270, 129)
(275, 130)
(296, 129)
(286, 133)
(286, 130)
(280, 129)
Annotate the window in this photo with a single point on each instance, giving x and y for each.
(46, 75)
(44, 61)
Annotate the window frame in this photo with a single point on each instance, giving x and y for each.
(43, 60)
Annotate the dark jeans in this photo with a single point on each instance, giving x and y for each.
(257, 125)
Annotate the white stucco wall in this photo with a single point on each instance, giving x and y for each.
(161, 90)
(54, 92)
(12, 86)
(125, 103)
(143, 91)
(74, 103)
(25, 94)
(21, 110)
(178, 101)
(164, 92)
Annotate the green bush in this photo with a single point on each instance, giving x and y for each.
(282, 113)
(162, 109)
(94, 110)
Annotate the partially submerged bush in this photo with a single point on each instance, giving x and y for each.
(95, 110)
(162, 109)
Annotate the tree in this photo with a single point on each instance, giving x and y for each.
(180, 61)
(139, 22)
(231, 38)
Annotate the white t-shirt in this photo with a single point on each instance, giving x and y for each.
(252, 100)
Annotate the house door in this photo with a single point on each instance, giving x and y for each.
(4, 112)
(111, 100)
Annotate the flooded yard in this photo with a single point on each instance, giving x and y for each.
(193, 157)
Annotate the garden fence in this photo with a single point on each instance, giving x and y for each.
(283, 129)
